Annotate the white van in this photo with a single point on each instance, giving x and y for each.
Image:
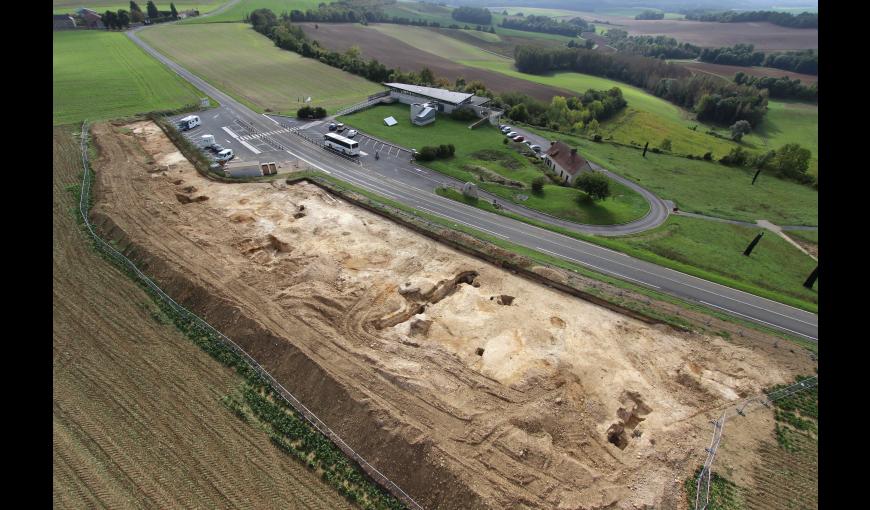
(189, 122)
(206, 141)
(225, 155)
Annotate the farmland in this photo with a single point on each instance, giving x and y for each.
(246, 65)
(482, 148)
(238, 11)
(100, 75)
(68, 6)
(728, 72)
(137, 417)
(397, 54)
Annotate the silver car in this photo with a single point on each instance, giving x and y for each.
(506, 129)
(351, 133)
(512, 135)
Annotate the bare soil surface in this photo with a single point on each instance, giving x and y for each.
(729, 71)
(137, 420)
(397, 54)
(468, 386)
(765, 36)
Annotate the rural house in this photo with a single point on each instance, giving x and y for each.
(91, 18)
(565, 162)
(63, 21)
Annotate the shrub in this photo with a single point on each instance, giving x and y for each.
(538, 184)
(426, 154)
(656, 150)
(505, 141)
(594, 184)
(665, 145)
(307, 112)
(738, 129)
(463, 114)
(737, 157)
(597, 138)
(708, 156)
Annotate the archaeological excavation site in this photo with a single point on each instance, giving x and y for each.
(466, 384)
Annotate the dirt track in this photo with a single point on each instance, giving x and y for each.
(397, 54)
(466, 385)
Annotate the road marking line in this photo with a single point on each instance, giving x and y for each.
(759, 320)
(270, 118)
(466, 224)
(598, 268)
(246, 144)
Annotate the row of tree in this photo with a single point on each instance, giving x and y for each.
(714, 99)
(790, 161)
(805, 61)
(576, 114)
(476, 15)
(784, 19)
(547, 25)
(660, 46)
(650, 15)
(122, 19)
(780, 88)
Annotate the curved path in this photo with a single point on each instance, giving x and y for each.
(414, 190)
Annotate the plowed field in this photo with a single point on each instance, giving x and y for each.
(137, 417)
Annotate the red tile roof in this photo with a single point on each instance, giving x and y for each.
(566, 157)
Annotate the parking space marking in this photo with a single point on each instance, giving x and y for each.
(249, 147)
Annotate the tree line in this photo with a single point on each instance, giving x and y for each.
(780, 88)
(660, 46)
(712, 98)
(650, 15)
(583, 112)
(476, 15)
(121, 18)
(783, 19)
(544, 24)
(805, 61)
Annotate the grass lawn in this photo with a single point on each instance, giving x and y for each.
(249, 67)
(245, 7)
(69, 6)
(706, 249)
(705, 187)
(791, 122)
(101, 75)
(481, 151)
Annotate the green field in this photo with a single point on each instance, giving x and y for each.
(810, 236)
(705, 187)
(249, 67)
(483, 148)
(245, 7)
(69, 6)
(706, 249)
(100, 75)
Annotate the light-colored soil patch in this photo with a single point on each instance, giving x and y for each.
(494, 392)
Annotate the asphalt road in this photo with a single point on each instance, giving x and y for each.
(413, 188)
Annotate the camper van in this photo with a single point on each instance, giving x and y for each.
(189, 122)
(206, 141)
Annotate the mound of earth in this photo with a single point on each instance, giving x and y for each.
(468, 386)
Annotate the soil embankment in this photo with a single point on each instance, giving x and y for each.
(468, 386)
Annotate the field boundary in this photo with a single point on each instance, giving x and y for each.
(289, 398)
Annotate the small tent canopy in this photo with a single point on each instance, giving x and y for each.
(390, 121)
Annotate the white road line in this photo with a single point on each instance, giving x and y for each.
(597, 268)
(466, 224)
(270, 118)
(759, 320)
(246, 144)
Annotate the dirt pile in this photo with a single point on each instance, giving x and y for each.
(468, 386)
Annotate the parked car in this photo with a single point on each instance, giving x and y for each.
(339, 127)
(536, 148)
(333, 126)
(225, 155)
(216, 148)
(519, 138)
(512, 134)
(351, 133)
(506, 129)
(502, 126)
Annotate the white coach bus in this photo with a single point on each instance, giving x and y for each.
(341, 144)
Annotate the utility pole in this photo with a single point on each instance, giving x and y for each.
(752, 244)
(644, 149)
(812, 278)
(756, 176)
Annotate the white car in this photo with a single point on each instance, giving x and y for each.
(225, 155)
(536, 148)
(512, 135)
(506, 129)
(351, 133)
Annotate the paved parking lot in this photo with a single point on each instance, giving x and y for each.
(228, 132)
